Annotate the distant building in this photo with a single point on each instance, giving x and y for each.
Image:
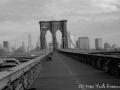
(61, 46)
(23, 46)
(13, 48)
(6, 46)
(114, 46)
(98, 43)
(77, 44)
(29, 48)
(19, 52)
(1, 46)
(38, 43)
(2, 52)
(50, 45)
(107, 46)
(83, 43)
(58, 45)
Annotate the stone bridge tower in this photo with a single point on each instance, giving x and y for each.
(53, 26)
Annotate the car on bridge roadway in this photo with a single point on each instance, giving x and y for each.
(8, 63)
(23, 60)
(12, 61)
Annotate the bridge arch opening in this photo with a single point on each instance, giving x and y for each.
(53, 26)
(49, 40)
(59, 38)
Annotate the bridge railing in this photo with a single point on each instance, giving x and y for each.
(21, 76)
(108, 64)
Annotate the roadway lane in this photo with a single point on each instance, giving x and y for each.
(65, 73)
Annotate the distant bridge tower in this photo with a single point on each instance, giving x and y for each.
(53, 26)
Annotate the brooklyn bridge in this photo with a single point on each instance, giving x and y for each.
(63, 69)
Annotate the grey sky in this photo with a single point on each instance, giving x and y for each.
(92, 18)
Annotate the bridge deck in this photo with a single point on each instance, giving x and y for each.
(64, 73)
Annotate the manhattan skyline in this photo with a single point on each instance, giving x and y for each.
(91, 18)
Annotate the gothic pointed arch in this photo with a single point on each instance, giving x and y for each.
(53, 26)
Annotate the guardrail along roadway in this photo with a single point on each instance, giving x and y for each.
(64, 71)
(22, 76)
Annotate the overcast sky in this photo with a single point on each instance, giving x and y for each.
(92, 18)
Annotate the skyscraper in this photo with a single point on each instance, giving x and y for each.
(106, 45)
(6, 47)
(23, 46)
(98, 43)
(29, 43)
(5, 44)
(38, 43)
(83, 43)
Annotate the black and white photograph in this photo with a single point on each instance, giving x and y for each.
(59, 44)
